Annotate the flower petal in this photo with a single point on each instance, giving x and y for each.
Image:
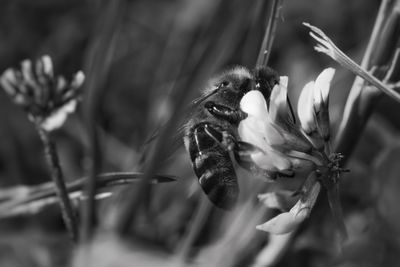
(278, 107)
(271, 160)
(305, 108)
(8, 82)
(322, 86)
(253, 103)
(257, 124)
(288, 221)
(47, 65)
(78, 80)
(58, 117)
(282, 224)
(260, 133)
(282, 200)
(251, 131)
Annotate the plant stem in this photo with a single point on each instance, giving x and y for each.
(266, 45)
(53, 163)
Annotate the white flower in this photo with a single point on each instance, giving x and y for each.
(302, 150)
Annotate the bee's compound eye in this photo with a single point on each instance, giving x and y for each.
(223, 84)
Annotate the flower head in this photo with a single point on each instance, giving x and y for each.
(47, 99)
(286, 147)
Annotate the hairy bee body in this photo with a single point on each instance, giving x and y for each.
(211, 162)
(211, 135)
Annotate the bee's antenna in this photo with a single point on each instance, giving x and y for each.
(204, 97)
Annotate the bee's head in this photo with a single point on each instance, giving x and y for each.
(265, 79)
(238, 79)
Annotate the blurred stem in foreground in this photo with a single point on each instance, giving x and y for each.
(202, 59)
(57, 176)
(98, 64)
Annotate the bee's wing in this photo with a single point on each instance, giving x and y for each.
(177, 139)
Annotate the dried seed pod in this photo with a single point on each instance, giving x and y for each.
(47, 99)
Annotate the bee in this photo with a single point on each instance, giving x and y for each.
(211, 135)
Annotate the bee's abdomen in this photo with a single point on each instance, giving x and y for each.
(213, 167)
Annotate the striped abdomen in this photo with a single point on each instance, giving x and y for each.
(212, 165)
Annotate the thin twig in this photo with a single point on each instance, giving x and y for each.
(269, 36)
(58, 179)
(355, 117)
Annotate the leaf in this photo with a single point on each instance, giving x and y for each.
(37, 197)
(282, 224)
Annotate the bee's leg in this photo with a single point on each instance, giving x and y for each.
(224, 139)
(233, 116)
(242, 153)
(243, 157)
(246, 163)
(244, 149)
(229, 142)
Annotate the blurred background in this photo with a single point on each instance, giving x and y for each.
(162, 53)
